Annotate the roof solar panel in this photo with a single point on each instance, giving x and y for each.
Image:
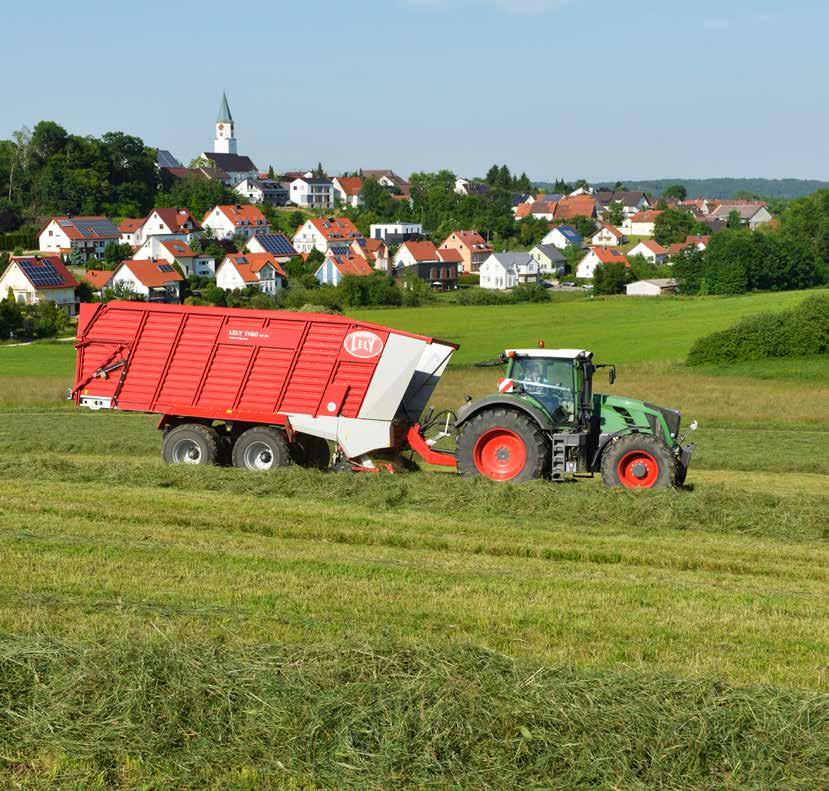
(41, 273)
(277, 244)
(165, 268)
(96, 226)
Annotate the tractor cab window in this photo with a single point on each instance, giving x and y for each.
(548, 380)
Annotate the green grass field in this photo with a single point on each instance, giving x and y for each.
(168, 627)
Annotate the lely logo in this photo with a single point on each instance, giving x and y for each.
(363, 344)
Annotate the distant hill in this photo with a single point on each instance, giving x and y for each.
(723, 187)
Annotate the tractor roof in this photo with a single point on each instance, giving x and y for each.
(567, 354)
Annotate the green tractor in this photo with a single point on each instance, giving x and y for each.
(546, 422)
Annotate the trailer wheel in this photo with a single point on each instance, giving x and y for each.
(261, 448)
(310, 451)
(638, 461)
(503, 445)
(191, 443)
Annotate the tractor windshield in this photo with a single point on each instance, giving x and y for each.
(548, 380)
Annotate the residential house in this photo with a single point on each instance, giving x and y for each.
(39, 278)
(468, 187)
(323, 233)
(277, 244)
(81, 237)
(507, 270)
(156, 281)
(312, 192)
(474, 249)
(375, 251)
(97, 279)
(170, 223)
(694, 241)
(234, 167)
(650, 250)
(751, 213)
(576, 206)
(164, 159)
(562, 236)
(244, 220)
(396, 232)
(540, 210)
(550, 260)
(599, 255)
(260, 191)
(337, 266)
(347, 190)
(130, 231)
(260, 270)
(608, 236)
(425, 261)
(388, 179)
(641, 223)
(585, 190)
(631, 201)
(651, 288)
(171, 251)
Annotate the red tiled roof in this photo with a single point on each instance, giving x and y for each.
(37, 261)
(697, 239)
(471, 239)
(575, 206)
(351, 185)
(612, 228)
(239, 214)
(350, 264)
(150, 274)
(335, 228)
(421, 251)
(178, 248)
(176, 218)
(248, 265)
(450, 255)
(653, 246)
(678, 247)
(67, 225)
(609, 255)
(97, 278)
(649, 215)
(130, 225)
(373, 245)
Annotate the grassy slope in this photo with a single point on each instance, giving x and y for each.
(176, 627)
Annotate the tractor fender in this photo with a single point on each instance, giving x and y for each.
(472, 408)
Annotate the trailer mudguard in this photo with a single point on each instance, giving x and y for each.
(472, 408)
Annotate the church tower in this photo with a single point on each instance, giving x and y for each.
(225, 142)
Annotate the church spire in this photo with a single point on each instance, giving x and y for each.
(224, 112)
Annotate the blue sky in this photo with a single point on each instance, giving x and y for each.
(600, 89)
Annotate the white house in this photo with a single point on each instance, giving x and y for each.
(170, 223)
(347, 190)
(751, 213)
(261, 270)
(39, 278)
(641, 224)
(650, 250)
(263, 191)
(157, 281)
(562, 236)
(323, 233)
(468, 187)
(336, 267)
(651, 288)
(242, 220)
(86, 237)
(277, 244)
(608, 236)
(130, 231)
(157, 248)
(375, 251)
(395, 232)
(312, 192)
(599, 255)
(507, 270)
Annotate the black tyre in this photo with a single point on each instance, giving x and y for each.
(503, 445)
(191, 443)
(310, 451)
(261, 448)
(638, 461)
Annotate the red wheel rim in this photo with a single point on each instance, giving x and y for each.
(638, 470)
(500, 454)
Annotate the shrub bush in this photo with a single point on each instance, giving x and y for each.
(469, 279)
(799, 331)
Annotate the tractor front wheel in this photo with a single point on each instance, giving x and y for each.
(503, 445)
(638, 461)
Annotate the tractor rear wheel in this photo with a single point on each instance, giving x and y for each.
(638, 461)
(503, 445)
(191, 443)
(261, 448)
